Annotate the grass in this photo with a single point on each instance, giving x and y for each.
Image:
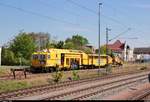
(6, 86)
(4, 71)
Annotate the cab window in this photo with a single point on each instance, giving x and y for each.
(35, 57)
(42, 57)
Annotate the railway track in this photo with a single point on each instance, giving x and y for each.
(142, 96)
(55, 87)
(96, 89)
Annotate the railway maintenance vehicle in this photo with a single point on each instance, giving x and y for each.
(64, 59)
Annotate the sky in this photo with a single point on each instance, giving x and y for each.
(64, 18)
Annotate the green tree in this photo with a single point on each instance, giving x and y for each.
(103, 50)
(87, 50)
(79, 40)
(41, 39)
(76, 42)
(8, 57)
(22, 46)
(69, 45)
(59, 45)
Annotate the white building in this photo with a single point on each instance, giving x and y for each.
(142, 53)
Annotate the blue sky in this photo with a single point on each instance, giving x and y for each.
(118, 15)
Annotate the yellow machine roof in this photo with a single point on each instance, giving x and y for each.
(98, 55)
(45, 51)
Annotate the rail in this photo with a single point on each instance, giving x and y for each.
(141, 96)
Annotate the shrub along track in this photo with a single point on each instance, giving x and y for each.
(59, 86)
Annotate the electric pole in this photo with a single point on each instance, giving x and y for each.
(99, 36)
(107, 30)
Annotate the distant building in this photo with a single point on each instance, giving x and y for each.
(143, 50)
(142, 54)
(122, 50)
(117, 47)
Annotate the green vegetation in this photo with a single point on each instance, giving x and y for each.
(77, 42)
(109, 69)
(103, 50)
(57, 76)
(143, 68)
(19, 50)
(4, 72)
(75, 75)
(6, 86)
(22, 46)
(8, 57)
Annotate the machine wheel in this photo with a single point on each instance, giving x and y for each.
(51, 70)
(32, 70)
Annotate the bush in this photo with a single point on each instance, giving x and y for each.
(57, 76)
(109, 69)
(8, 57)
(75, 75)
(143, 68)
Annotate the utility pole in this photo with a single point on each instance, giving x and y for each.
(107, 30)
(99, 36)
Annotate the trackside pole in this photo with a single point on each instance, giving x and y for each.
(99, 38)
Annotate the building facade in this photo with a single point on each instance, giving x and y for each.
(142, 54)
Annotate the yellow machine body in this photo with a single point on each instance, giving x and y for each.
(63, 59)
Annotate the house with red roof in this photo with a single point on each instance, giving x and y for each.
(117, 47)
(122, 49)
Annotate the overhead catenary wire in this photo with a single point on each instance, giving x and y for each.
(130, 38)
(37, 14)
(120, 34)
(42, 2)
(120, 11)
(94, 12)
(105, 17)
